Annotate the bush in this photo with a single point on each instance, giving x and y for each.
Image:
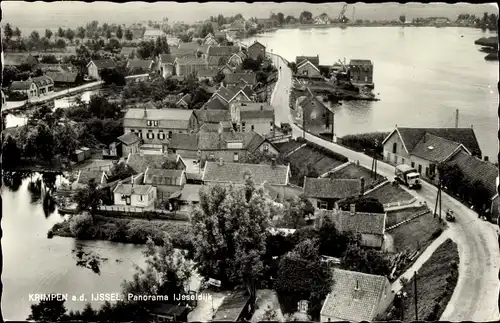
(80, 225)
(365, 141)
(328, 152)
(437, 233)
(17, 96)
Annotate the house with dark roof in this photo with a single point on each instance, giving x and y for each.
(219, 55)
(184, 101)
(140, 162)
(189, 66)
(166, 181)
(129, 144)
(256, 51)
(314, 111)
(313, 59)
(223, 126)
(166, 65)
(85, 176)
(424, 148)
(134, 196)
(11, 59)
(27, 87)
(361, 71)
(94, 67)
(370, 226)
(186, 197)
(234, 307)
(324, 192)
(236, 59)
(216, 103)
(44, 84)
(57, 68)
(231, 94)
(205, 116)
(253, 116)
(156, 126)
(356, 297)
(242, 78)
(63, 78)
(140, 66)
(307, 68)
(208, 73)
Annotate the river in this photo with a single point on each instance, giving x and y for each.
(32, 263)
(421, 75)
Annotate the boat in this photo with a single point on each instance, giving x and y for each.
(492, 56)
(487, 49)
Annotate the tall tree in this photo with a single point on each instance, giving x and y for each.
(281, 18)
(305, 17)
(119, 32)
(80, 32)
(230, 230)
(17, 33)
(69, 34)
(35, 36)
(60, 32)
(129, 35)
(8, 31)
(48, 33)
(89, 198)
(48, 311)
(402, 18)
(11, 153)
(367, 261)
(161, 46)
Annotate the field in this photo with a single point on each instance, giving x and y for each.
(354, 171)
(416, 234)
(436, 281)
(395, 217)
(390, 194)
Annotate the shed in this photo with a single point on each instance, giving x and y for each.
(233, 308)
(170, 312)
(79, 155)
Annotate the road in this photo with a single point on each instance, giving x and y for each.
(476, 295)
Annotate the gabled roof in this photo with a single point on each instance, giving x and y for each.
(412, 136)
(212, 116)
(312, 59)
(18, 59)
(103, 63)
(257, 141)
(140, 63)
(360, 62)
(355, 296)
(220, 34)
(129, 138)
(215, 141)
(208, 72)
(140, 162)
(235, 173)
(57, 67)
(215, 127)
(312, 99)
(129, 189)
(20, 85)
(190, 193)
(167, 58)
(216, 104)
(256, 114)
(256, 43)
(159, 176)
(330, 188)
(42, 80)
(222, 50)
(63, 77)
(190, 61)
(307, 62)
(435, 148)
(84, 176)
(225, 94)
(183, 141)
(235, 78)
(167, 118)
(186, 98)
(359, 222)
(188, 47)
(474, 169)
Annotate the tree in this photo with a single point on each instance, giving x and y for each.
(367, 261)
(69, 34)
(302, 275)
(281, 18)
(48, 311)
(108, 34)
(146, 49)
(80, 32)
(35, 36)
(295, 212)
(45, 44)
(362, 204)
(60, 43)
(402, 18)
(332, 242)
(205, 30)
(11, 154)
(120, 171)
(89, 198)
(8, 32)
(60, 32)
(480, 196)
(230, 228)
(119, 32)
(129, 35)
(293, 67)
(48, 33)
(161, 46)
(17, 33)
(112, 76)
(305, 17)
(48, 59)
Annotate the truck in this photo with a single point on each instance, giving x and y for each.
(408, 176)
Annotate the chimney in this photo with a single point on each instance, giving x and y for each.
(362, 180)
(486, 158)
(352, 208)
(221, 161)
(145, 112)
(357, 285)
(273, 162)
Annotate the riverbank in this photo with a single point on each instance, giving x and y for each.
(126, 230)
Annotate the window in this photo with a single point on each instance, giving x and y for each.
(402, 160)
(394, 148)
(140, 133)
(140, 198)
(420, 169)
(127, 200)
(432, 169)
(155, 123)
(253, 127)
(366, 79)
(322, 205)
(395, 159)
(427, 171)
(149, 123)
(236, 157)
(305, 72)
(170, 135)
(150, 135)
(243, 126)
(266, 147)
(412, 164)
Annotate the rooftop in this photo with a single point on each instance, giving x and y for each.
(359, 222)
(104, 63)
(331, 188)
(140, 63)
(231, 307)
(86, 175)
(129, 189)
(140, 162)
(235, 173)
(435, 148)
(158, 176)
(129, 138)
(212, 116)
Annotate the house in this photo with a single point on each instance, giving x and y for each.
(10, 59)
(324, 192)
(231, 95)
(475, 169)
(216, 103)
(184, 101)
(361, 71)
(242, 78)
(236, 59)
(314, 111)
(322, 19)
(44, 84)
(226, 69)
(263, 145)
(85, 176)
(166, 65)
(222, 172)
(134, 195)
(220, 36)
(166, 181)
(188, 66)
(223, 126)
(127, 51)
(27, 87)
(129, 143)
(239, 25)
(307, 68)
(356, 297)
(210, 39)
(204, 116)
(140, 162)
(313, 59)
(63, 79)
(219, 55)
(266, 23)
(370, 226)
(251, 116)
(208, 73)
(137, 32)
(155, 126)
(94, 67)
(189, 48)
(256, 51)
(153, 34)
(424, 148)
(183, 199)
(57, 68)
(234, 308)
(140, 66)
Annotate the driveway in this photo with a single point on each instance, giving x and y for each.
(476, 295)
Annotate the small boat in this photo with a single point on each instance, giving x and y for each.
(492, 56)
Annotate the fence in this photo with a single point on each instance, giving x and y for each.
(407, 220)
(400, 203)
(336, 169)
(127, 209)
(99, 168)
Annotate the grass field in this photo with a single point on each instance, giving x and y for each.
(354, 171)
(416, 234)
(395, 217)
(390, 194)
(287, 147)
(309, 156)
(436, 281)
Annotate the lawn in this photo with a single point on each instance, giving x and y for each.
(416, 234)
(309, 156)
(288, 147)
(390, 194)
(436, 281)
(354, 171)
(395, 217)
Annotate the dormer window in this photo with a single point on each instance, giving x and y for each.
(155, 123)
(149, 123)
(430, 147)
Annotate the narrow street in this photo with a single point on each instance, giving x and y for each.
(476, 295)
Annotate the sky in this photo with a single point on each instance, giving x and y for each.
(73, 13)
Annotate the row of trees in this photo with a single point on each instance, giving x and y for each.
(488, 21)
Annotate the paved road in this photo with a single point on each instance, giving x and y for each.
(476, 295)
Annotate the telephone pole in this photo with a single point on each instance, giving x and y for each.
(438, 199)
(415, 289)
(374, 161)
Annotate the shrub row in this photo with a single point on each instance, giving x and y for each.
(365, 141)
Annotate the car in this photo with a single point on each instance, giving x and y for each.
(450, 215)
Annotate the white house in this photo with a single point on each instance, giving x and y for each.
(133, 195)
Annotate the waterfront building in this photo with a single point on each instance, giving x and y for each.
(63, 78)
(94, 67)
(361, 71)
(134, 196)
(28, 88)
(309, 69)
(86, 175)
(256, 51)
(166, 181)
